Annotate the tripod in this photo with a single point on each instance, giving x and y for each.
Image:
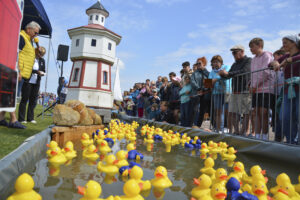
(49, 108)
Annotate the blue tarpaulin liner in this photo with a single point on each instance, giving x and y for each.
(34, 11)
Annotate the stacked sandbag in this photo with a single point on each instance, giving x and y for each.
(86, 117)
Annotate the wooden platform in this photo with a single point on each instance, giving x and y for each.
(62, 134)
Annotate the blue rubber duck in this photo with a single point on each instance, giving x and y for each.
(110, 141)
(158, 138)
(135, 155)
(124, 170)
(233, 186)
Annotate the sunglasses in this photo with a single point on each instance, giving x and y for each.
(199, 63)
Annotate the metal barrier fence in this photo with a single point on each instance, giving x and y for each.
(261, 104)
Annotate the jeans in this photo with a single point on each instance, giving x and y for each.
(184, 114)
(289, 114)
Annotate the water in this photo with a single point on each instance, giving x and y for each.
(182, 166)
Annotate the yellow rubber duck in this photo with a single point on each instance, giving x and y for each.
(280, 179)
(137, 173)
(52, 145)
(208, 168)
(149, 147)
(297, 186)
(203, 186)
(131, 190)
(218, 191)
(130, 147)
(204, 149)
(85, 140)
(215, 149)
(289, 190)
(91, 191)
(104, 148)
(257, 173)
(260, 190)
(230, 155)
(161, 180)
(149, 139)
(143, 131)
(203, 156)
(69, 151)
(221, 176)
(121, 158)
(57, 157)
(281, 196)
(239, 171)
(24, 189)
(90, 153)
(109, 167)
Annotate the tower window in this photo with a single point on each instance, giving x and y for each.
(91, 17)
(77, 42)
(109, 46)
(97, 17)
(105, 77)
(76, 73)
(102, 19)
(94, 42)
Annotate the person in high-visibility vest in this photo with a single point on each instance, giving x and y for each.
(26, 61)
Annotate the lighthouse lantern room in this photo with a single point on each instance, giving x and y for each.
(93, 52)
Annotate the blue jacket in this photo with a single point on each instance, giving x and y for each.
(182, 93)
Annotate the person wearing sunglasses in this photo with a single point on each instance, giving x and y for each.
(199, 94)
(240, 100)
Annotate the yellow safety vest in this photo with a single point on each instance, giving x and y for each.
(26, 57)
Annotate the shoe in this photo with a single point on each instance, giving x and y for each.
(33, 122)
(16, 124)
(3, 123)
(24, 122)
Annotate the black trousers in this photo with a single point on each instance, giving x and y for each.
(29, 93)
(197, 115)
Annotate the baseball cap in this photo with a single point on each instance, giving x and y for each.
(237, 47)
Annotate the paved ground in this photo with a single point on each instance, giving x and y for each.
(206, 125)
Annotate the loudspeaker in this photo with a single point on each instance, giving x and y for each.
(62, 52)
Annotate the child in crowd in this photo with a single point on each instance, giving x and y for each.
(262, 84)
(130, 105)
(184, 94)
(278, 91)
(154, 98)
(165, 114)
(154, 112)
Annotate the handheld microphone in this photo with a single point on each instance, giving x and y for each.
(36, 40)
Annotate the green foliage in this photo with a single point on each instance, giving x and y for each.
(10, 138)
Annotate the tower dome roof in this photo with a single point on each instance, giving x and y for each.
(99, 8)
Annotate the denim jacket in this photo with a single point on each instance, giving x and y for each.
(197, 79)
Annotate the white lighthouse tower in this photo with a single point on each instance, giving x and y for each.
(93, 53)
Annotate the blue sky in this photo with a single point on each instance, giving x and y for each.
(158, 35)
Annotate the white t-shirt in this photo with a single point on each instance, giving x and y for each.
(34, 76)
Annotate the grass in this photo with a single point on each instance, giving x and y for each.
(11, 138)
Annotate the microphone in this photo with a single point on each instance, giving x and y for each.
(36, 40)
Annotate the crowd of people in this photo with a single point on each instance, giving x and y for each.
(258, 92)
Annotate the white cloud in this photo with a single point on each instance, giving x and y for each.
(280, 5)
